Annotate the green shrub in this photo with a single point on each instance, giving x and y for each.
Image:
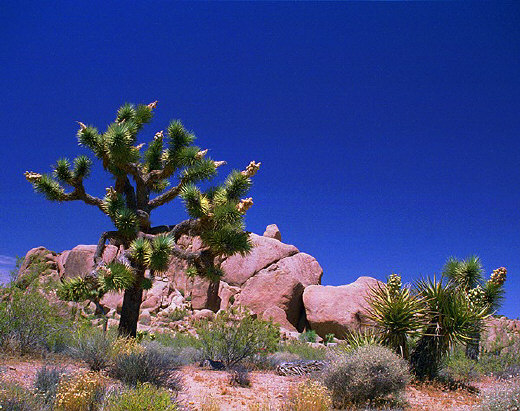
(329, 338)
(46, 383)
(28, 322)
(457, 368)
(235, 336)
(304, 351)
(37, 267)
(502, 399)
(16, 398)
(186, 347)
(92, 347)
(369, 374)
(144, 397)
(308, 336)
(154, 364)
(355, 339)
(178, 314)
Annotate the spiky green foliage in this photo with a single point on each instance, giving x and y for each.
(237, 185)
(465, 274)
(90, 137)
(126, 222)
(398, 315)
(140, 251)
(119, 140)
(493, 295)
(116, 276)
(227, 240)
(82, 167)
(201, 170)
(153, 155)
(451, 319)
(62, 170)
(178, 137)
(196, 205)
(50, 188)
(79, 289)
(112, 203)
(162, 246)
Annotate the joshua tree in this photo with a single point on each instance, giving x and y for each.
(467, 277)
(142, 183)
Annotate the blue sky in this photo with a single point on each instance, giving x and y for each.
(388, 132)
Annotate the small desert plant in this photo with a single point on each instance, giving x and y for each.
(355, 339)
(366, 375)
(457, 368)
(80, 392)
(16, 398)
(273, 360)
(397, 314)
(239, 376)
(235, 336)
(308, 396)
(502, 399)
(209, 404)
(308, 336)
(37, 267)
(29, 323)
(153, 364)
(178, 314)
(144, 397)
(46, 383)
(93, 347)
(304, 351)
(329, 338)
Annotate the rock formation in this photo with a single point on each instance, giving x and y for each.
(337, 310)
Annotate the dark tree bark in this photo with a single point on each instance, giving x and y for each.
(130, 311)
(473, 347)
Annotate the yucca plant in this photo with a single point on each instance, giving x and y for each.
(143, 180)
(397, 314)
(467, 276)
(451, 318)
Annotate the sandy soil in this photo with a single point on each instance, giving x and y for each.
(205, 388)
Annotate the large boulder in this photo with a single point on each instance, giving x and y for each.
(338, 309)
(38, 261)
(274, 287)
(238, 269)
(303, 266)
(78, 262)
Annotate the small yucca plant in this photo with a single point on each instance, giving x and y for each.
(398, 315)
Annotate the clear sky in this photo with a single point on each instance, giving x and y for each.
(388, 132)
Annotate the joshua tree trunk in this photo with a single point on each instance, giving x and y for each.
(130, 311)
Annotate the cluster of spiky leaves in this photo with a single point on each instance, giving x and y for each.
(221, 212)
(153, 254)
(114, 276)
(467, 275)
(398, 314)
(452, 318)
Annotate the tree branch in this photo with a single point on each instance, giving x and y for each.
(79, 194)
(166, 197)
